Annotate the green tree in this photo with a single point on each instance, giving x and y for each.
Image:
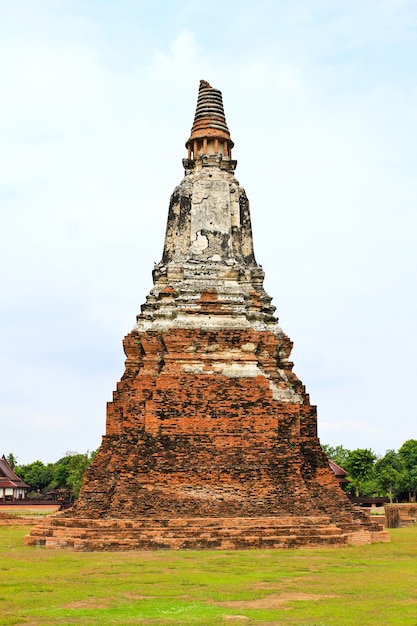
(390, 474)
(408, 454)
(359, 466)
(37, 475)
(12, 460)
(338, 454)
(65, 474)
(68, 471)
(412, 483)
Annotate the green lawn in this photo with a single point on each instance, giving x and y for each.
(324, 587)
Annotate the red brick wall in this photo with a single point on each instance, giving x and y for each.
(203, 443)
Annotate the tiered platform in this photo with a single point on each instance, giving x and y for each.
(196, 533)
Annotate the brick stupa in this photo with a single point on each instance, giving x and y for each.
(211, 441)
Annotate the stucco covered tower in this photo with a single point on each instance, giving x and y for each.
(211, 441)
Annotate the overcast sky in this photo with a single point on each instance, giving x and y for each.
(97, 101)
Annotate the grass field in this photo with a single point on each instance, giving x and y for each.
(324, 587)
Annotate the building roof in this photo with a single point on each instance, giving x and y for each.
(340, 472)
(8, 478)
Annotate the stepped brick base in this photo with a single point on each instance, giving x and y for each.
(195, 533)
(203, 459)
(15, 520)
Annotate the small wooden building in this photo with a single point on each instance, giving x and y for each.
(340, 474)
(11, 486)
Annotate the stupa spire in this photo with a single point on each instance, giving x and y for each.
(210, 134)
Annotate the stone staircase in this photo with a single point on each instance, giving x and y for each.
(195, 533)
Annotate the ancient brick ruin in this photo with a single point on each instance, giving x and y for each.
(211, 441)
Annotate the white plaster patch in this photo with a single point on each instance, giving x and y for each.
(210, 208)
(195, 368)
(199, 244)
(283, 375)
(284, 395)
(213, 347)
(238, 370)
(248, 347)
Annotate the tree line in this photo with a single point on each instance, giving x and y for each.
(64, 476)
(393, 475)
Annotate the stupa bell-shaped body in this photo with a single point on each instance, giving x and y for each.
(211, 441)
(208, 243)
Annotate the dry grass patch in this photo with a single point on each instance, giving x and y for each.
(273, 601)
